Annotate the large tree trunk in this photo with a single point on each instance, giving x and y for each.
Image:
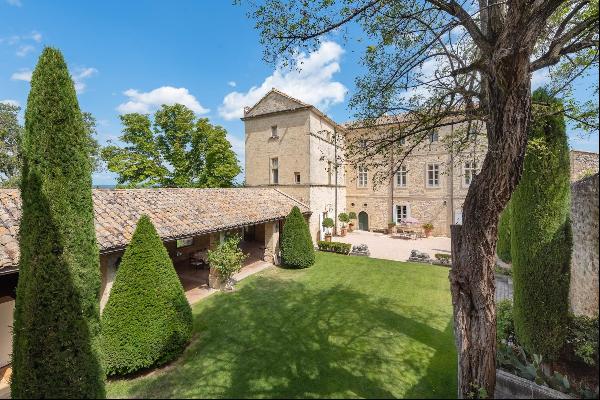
(474, 244)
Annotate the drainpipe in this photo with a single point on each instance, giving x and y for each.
(335, 211)
(391, 210)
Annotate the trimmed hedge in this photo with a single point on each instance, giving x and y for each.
(297, 250)
(147, 320)
(335, 247)
(541, 237)
(56, 320)
(503, 244)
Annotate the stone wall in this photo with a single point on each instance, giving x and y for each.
(509, 386)
(583, 163)
(583, 295)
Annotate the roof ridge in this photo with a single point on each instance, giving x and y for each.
(275, 90)
(291, 198)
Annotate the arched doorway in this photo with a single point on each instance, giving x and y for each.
(363, 221)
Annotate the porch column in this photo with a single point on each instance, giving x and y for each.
(213, 276)
(271, 242)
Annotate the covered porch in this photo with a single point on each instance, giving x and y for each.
(195, 274)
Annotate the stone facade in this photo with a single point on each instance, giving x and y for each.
(583, 293)
(439, 205)
(303, 141)
(583, 164)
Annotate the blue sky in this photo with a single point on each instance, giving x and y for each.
(130, 56)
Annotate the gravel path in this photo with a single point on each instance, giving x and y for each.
(386, 247)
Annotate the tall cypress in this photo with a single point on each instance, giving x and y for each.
(56, 327)
(541, 233)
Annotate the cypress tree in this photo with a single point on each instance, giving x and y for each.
(541, 233)
(147, 320)
(56, 326)
(503, 244)
(297, 250)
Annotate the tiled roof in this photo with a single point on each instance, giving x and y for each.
(382, 120)
(276, 101)
(176, 213)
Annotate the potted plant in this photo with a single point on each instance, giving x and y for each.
(391, 226)
(427, 228)
(344, 219)
(328, 225)
(225, 261)
(351, 217)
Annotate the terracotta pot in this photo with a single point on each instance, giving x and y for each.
(350, 227)
(427, 233)
(343, 232)
(328, 237)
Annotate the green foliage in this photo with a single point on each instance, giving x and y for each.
(89, 122)
(328, 223)
(11, 136)
(147, 320)
(227, 258)
(503, 244)
(56, 319)
(428, 227)
(343, 217)
(335, 247)
(443, 259)
(541, 235)
(505, 326)
(297, 249)
(582, 339)
(515, 360)
(178, 150)
(352, 215)
(503, 271)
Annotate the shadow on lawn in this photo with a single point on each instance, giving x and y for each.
(279, 339)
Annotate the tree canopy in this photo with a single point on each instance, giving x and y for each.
(11, 136)
(11, 133)
(176, 150)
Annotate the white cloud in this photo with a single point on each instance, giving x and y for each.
(36, 36)
(312, 84)
(16, 39)
(541, 77)
(81, 74)
(22, 75)
(24, 50)
(16, 3)
(145, 102)
(11, 102)
(232, 83)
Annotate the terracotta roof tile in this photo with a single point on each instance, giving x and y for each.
(176, 213)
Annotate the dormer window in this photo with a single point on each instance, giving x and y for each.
(274, 133)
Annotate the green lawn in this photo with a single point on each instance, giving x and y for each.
(346, 327)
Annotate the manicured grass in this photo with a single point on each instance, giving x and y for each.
(346, 327)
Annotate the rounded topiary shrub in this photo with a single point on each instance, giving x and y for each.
(503, 244)
(147, 320)
(297, 250)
